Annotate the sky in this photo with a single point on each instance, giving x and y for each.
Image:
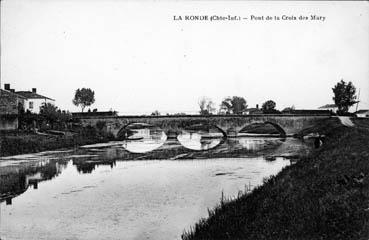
(138, 59)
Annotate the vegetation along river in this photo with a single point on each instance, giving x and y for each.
(146, 187)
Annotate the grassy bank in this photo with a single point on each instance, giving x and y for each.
(22, 143)
(323, 196)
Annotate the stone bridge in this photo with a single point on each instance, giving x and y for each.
(229, 125)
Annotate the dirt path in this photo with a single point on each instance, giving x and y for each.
(346, 121)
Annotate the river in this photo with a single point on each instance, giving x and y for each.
(135, 189)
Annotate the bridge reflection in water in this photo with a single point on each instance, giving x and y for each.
(141, 138)
(196, 141)
(145, 138)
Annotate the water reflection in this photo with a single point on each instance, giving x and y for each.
(140, 131)
(15, 180)
(144, 145)
(198, 141)
(119, 194)
(87, 166)
(201, 137)
(135, 200)
(20, 174)
(143, 138)
(255, 144)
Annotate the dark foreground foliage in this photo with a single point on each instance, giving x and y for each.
(323, 196)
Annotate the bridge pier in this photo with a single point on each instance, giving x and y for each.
(230, 132)
(171, 134)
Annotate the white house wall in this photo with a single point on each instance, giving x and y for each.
(37, 103)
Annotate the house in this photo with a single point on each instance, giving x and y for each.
(329, 107)
(253, 111)
(362, 113)
(32, 100)
(10, 102)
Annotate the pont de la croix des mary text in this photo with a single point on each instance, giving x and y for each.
(251, 18)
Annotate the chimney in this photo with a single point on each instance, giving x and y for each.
(257, 106)
(8, 201)
(7, 86)
(34, 90)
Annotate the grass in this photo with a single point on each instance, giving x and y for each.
(322, 196)
(22, 143)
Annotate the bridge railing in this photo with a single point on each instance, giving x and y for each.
(201, 116)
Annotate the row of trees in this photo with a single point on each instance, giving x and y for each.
(344, 97)
(232, 105)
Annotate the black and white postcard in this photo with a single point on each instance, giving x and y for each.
(187, 119)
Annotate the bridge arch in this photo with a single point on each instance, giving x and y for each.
(276, 126)
(206, 125)
(123, 131)
(279, 128)
(220, 130)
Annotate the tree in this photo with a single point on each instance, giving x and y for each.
(344, 96)
(233, 105)
(50, 114)
(84, 97)
(206, 106)
(269, 107)
(155, 113)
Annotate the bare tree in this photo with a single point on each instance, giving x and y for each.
(206, 106)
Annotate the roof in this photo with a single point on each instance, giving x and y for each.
(32, 95)
(329, 106)
(11, 93)
(362, 111)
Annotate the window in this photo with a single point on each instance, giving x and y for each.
(30, 105)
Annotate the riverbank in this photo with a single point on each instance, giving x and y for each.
(323, 196)
(16, 143)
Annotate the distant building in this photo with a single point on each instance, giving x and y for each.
(329, 107)
(10, 102)
(34, 101)
(362, 113)
(253, 111)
